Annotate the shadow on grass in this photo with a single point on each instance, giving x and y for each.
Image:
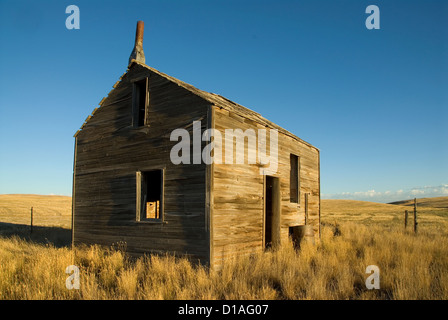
(59, 237)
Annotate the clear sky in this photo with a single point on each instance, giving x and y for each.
(373, 101)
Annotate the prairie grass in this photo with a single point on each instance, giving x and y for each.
(411, 267)
(354, 235)
(49, 211)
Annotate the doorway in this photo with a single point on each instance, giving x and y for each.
(272, 210)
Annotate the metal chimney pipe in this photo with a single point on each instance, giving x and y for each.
(137, 52)
(139, 33)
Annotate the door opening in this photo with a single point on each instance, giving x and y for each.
(272, 211)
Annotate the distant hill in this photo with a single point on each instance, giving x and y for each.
(55, 211)
(436, 202)
(333, 211)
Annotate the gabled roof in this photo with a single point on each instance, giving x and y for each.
(214, 99)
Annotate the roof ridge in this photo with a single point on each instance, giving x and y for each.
(224, 102)
(214, 98)
(204, 94)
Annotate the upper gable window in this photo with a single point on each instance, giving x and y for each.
(140, 102)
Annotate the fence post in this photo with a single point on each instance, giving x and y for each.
(415, 215)
(405, 219)
(31, 223)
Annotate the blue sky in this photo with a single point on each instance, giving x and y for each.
(373, 101)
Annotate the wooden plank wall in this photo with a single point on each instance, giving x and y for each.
(238, 211)
(109, 151)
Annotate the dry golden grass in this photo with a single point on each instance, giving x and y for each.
(411, 266)
(49, 211)
(363, 212)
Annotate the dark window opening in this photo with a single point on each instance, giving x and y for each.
(149, 195)
(294, 182)
(140, 102)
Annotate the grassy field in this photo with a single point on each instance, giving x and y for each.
(51, 218)
(355, 234)
(48, 211)
(431, 220)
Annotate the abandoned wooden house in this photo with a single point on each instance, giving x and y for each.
(127, 188)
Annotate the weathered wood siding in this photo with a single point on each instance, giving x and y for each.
(211, 212)
(238, 191)
(109, 151)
